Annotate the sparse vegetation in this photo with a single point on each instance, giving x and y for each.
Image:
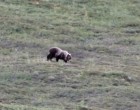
(103, 37)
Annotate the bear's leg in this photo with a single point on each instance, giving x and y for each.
(65, 61)
(57, 58)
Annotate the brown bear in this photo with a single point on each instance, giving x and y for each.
(56, 52)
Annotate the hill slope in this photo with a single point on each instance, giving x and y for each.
(103, 37)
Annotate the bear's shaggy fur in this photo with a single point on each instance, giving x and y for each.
(56, 52)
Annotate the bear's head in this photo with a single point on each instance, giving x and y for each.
(68, 57)
(65, 56)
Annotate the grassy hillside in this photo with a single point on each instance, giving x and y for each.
(103, 37)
